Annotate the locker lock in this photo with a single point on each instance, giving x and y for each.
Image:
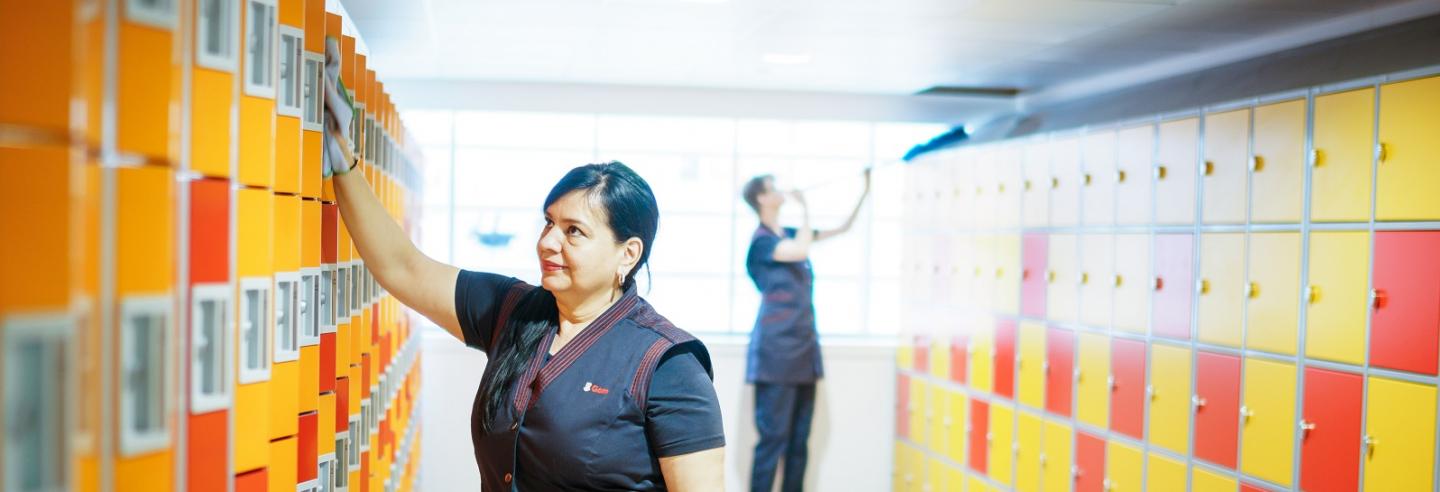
(1158, 283)
(1110, 381)
(1027, 185)
(989, 436)
(1025, 274)
(1256, 163)
(1209, 168)
(1378, 298)
(1119, 280)
(1150, 391)
(1312, 293)
(1050, 276)
(1119, 175)
(1087, 179)
(999, 272)
(1306, 426)
(1074, 471)
(1077, 375)
(1159, 172)
(1381, 152)
(1202, 286)
(1042, 460)
(1054, 183)
(1252, 290)
(1084, 278)
(1246, 413)
(1197, 401)
(1106, 484)
(1370, 442)
(1316, 157)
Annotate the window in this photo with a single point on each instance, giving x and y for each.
(354, 289)
(326, 474)
(365, 420)
(254, 330)
(341, 463)
(210, 336)
(342, 296)
(353, 446)
(287, 324)
(291, 46)
(144, 354)
(369, 285)
(314, 103)
(154, 13)
(309, 308)
(36, 401)
(327, 292)
(260, 24)
(217, 22)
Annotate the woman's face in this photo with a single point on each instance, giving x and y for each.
(578, 251)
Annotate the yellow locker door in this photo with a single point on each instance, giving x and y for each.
(1222, 275)
(956, 421)
(940, 358)
(255, 269)
(285, 373)
(1092, 385)
(1001, 441)
(919, 393)
(1133, 171)
(1131, 282)
(281, 472)
(1273, 292)
(260, 22)
(1065, 182)
(982, 354)
(1056, 459)
(1408, 151)
(954, 479)
(1175, 171)
(1097, 276)
(1205, 480)
(1342, 136)
(900, 474)
(1097, 182)
(1124, 468)
(1032, 364)
(1064, 275)
(1267, 420)
(1170, 397)
(1006, 299)
(935, 476)
(1163, 473)
(1337, 296)
(1037, 183)
(937, 413)
(1399, 435)
(1227, 148)
(1027, 453)
(1277, 169)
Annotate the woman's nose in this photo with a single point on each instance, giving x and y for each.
(549, 241)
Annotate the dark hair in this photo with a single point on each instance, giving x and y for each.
(753, 189)
(631, 211)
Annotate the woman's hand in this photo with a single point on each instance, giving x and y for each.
(701, 471)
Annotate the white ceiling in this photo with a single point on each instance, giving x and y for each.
(858, 46)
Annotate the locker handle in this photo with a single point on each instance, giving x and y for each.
(1252, 290)
(1306, 426)
(1000, 187)
(1027, 185)
(1042, 460)
(1045, 367)
(1157, 284)
(1054, 182)
(1084, 278)
(1119, 175)
(1378, 298)
(1246, 413)
(1119, 280)
(1382, 151)
(1197, 401)
(1370, 442)
(1107, 484)
(1088, 179)
(1209, 168)
(1159, 172)
(1075, 471)
(1150, 391)
(1050, 276)
(1077, 375)
(1202, 286)
(1316, 157)
(1256, 163)
(1110, 381)
(999, 272)
(979, 190)
(1312, 293)
(1025, 274)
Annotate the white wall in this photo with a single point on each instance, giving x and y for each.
(850, 444)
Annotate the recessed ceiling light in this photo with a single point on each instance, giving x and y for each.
(786, 58)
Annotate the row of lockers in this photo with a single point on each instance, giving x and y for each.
(1258, 162)
(1228, 410)
(1358, 293)
(185, 310)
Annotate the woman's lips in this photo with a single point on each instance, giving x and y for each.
(548, 266)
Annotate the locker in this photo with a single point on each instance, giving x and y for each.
(960, 209)
(937, 413)
(1124, 467)
(1127, 387)
(1027, 453)
(982, 355)
(1329, 429)
(1245, 487)
(1273, 292)
(1097, 185)
(1031, 365)
(954, 478)
(1267, 419)
(1132, 282)
(1164, 473)
(1097, 279)
(1170, 285)
(1399, 435)
(147, 80)
(209, 330)
(1220, 288)
(312, 136)
(205, 442)
(1032, 275)
(1217, 405)
(281, 473)
(257, 96)
(1002, 442)
(939, 353)
(959, 362)
(1089, 463)
(984, 185)
(1209, 481)
(1056, 457)
(1062, 278)
(1277, 170)
(955, 422)
(1009, 185)
(982, 289)
(307, 450)
(1336, 296)
(1092, 389)
(34, 198)
(212, 87)
(899, 475)
(1036, 186)
(1065, 182)
(919, 399)
(903, 409)
(905, 356)
(1174, 171)
(1133, 172)
(285, 373)
(325, 427)
(254, 481)
(1170, 397)
(1404, 324)
(935, 475)
(254, 327)
(1059, 370)
(1007, 268)
(1406, 173)
(41, 99)
(922, 354)
(1342, 156)
(1226, 167)
(1005, 358)
(311, 318)
(979, 435)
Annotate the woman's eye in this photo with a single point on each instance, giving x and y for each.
(574, 231)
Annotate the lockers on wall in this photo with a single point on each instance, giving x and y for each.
(1242, 296)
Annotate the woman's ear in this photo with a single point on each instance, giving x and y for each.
(630, 254)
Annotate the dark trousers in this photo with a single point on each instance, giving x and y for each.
(782, 415)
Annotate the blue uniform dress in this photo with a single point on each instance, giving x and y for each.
(783, 362)
(629, 389)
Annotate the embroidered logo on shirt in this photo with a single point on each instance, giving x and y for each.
(595, 388)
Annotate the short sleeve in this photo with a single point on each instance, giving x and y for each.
(762, 248)
(683, 413)
(478, 298)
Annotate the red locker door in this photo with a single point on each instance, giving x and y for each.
(1032, 275)
(902, 405)
(921, 347)
(1089, 463)
(255, 481)
(1005, 358)
(1330, 427)
(959, 361)
(1405, 326)
(1245, 487)
(1059, 367)
(979, 434)
(1171, 285)
(307, 447)
(1127, 388)
(1217, 407)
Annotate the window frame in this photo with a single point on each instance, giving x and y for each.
(309, 307)
(267, 89)
(56, 331)
(356, 304)
(282, 352)
(227, 62)
(328, 292)
(312, 99)
(364, 424)
(340, 463)
(200, 401)
(168, 17)
(249, 375)
(325, 472)
(342, 299)
(138, 441)
(297, 84)
(353, 435)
